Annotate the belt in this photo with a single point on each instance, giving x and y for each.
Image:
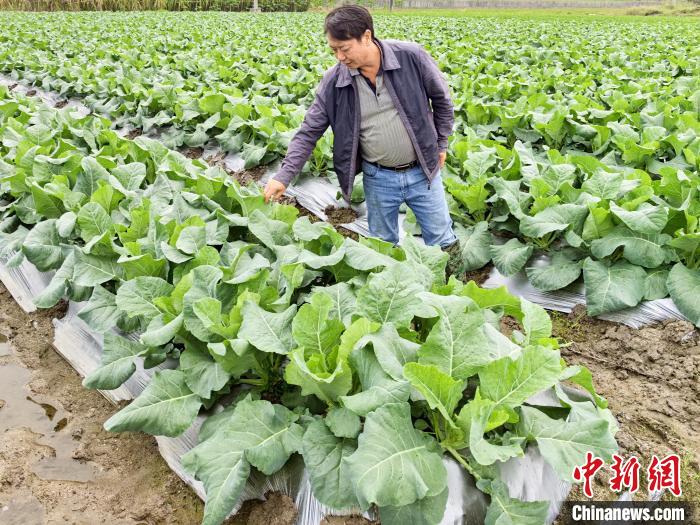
(401, 167)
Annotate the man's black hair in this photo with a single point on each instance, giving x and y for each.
(347, 22)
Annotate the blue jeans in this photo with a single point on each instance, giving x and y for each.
(386, 190)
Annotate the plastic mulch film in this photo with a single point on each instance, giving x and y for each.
(24, 282)
(82, 348)
(50, 98)
(564, 300)
(530, 478)
(466, 505)
(172, 450)
(317, 193)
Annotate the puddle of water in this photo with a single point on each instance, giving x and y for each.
(19, 410)
(22, 509)
(5, 348)
(63, 468)
(49, 410)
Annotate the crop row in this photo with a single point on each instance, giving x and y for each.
(357, 355)
(581, 143)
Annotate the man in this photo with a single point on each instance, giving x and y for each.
(391, 114)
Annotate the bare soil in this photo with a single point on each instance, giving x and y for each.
(650, 378)
(478, 276)
(303, 212)
(193, 153)
(340, 215)
(125, 480)
(216, 159)
(348, 233)
(347, 520)
(245, 177)
(277, 509)
(59, 466)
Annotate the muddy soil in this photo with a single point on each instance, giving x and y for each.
(340, 215)
(478, 276)
(245, 177)
(303, 212)
(277, 509)
(57, 464)
(650, 378)
(193, 153)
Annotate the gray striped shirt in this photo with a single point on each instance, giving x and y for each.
(383, 137)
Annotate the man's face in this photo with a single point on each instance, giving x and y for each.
(353, 53)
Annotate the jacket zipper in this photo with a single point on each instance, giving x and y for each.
(356, 135)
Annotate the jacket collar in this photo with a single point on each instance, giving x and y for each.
(389, 62)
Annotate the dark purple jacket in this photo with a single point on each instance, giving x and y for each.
(414, 83)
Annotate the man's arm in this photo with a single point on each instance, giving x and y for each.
(302, 145)
(439, 95)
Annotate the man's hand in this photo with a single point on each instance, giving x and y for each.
(274, 190)
(441, 158)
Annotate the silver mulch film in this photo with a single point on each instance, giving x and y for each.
(24, 282)
(564, 300)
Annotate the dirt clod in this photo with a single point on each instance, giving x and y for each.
(275, 509)
(478, 276)
(246, 177)
(340, 215)
(132, 134)
(193, 153)
(347, 520)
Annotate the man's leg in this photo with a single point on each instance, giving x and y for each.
(430, 207)
(383, 198)
(427, 200)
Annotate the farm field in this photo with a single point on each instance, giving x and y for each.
(577, 141)
(584, 138)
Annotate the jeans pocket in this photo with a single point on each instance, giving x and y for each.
(369, 170)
